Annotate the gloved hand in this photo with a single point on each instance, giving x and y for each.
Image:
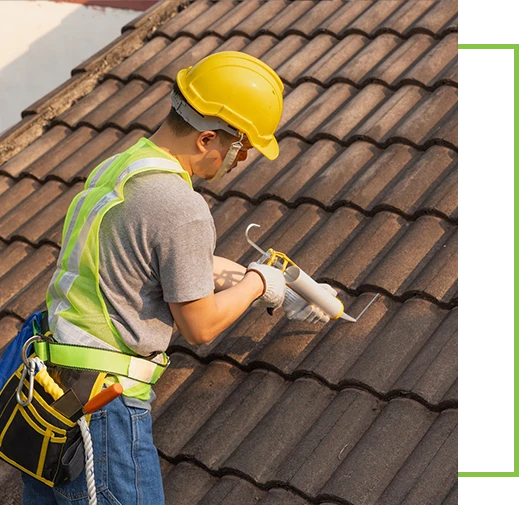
(297, 308)
(274, 285)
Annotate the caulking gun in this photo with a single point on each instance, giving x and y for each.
(300, 282)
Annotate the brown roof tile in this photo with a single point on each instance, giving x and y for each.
(400, 430)
(235, 13)
(433, 372)
(252, 26)
(41, 148)
(397, 178)
(411, 115)
(310, 17)
(441, 17)
(293, 56)
(193, 52)
(302, 433)
(254, 182)
(234, 491)
(152, 58)
(400, 16)
(388, 351)
(146, 110)
(9, 328)
(439, 63)
(187, 484)
(194, 21)
(429, 469)
(75, 159)
(385, 251)
(25, 273)
(69, 155)
(283, 23)
(309, 23)
(99, 99)
(355, 59)
(35, 212)
(396, 255)
(124, 97)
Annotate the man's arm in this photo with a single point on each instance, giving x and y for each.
(200, 321)
(227, 273)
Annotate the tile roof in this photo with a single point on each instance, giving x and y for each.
(363, 196)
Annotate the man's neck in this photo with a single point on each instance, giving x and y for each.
(164, 139)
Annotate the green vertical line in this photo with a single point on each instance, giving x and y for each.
(516, 235)
(515, 473)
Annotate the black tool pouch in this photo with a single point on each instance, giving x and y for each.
(37, 439)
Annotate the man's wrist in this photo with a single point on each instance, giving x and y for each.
(257, 281)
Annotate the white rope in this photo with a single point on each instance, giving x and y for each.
(89, 461)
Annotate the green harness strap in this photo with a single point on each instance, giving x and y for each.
(100, 360)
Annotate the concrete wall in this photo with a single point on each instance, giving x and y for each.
(42, 41)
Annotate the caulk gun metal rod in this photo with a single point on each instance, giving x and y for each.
(368, 305)
(253, 244)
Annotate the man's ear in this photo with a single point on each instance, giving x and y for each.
(203, 140)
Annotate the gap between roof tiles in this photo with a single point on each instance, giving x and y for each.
(253, 201)
(300, 374)
(228, 471)
(353, 31)
(283, 135)
(381, 145)
(304, 79)
(47, 178)
(232, 472)
(35, 245)
(328, 208)
(10, 313)
(363, 288)
(372, 80)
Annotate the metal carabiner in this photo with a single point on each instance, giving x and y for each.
(31, 368)
(28, 342)
(29, 365)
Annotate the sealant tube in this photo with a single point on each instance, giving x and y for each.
(310, 290)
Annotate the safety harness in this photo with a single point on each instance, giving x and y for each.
(72, 358)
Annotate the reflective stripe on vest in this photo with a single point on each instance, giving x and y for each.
(77, 311)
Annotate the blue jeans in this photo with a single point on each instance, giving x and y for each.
(126, 464)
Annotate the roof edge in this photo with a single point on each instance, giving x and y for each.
(84, 80)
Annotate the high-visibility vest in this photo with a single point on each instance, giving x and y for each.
(77, 311)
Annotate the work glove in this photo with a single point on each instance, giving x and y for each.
(299, 309)
(274, 282)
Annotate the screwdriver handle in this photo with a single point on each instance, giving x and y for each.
(104, 397)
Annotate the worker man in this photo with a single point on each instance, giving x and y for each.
(137, 256)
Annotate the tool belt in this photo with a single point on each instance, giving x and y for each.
(35, 435)
(36, 438)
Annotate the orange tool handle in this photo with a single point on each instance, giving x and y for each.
(104, 397)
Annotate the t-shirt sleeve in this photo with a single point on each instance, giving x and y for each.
(185, 261)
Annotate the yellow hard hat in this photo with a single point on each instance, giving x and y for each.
(239, 89)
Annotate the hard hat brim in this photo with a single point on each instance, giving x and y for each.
(271, 151)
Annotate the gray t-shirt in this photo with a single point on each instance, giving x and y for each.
(155, 247)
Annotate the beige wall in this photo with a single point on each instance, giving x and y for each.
(40, 43)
